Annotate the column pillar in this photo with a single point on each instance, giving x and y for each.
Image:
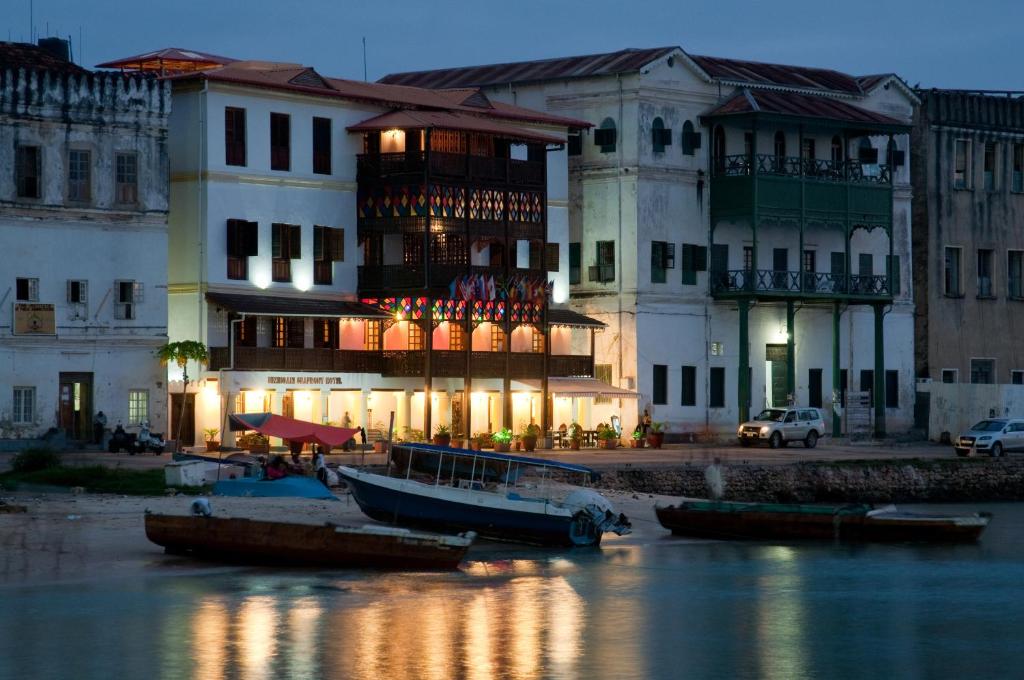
(879, 388)
(404, 422)
(364, 409)
(743, 379)
(276, 407)
(836, 385)
(227, 437)
(325, 402)
(790, 351)
(428, 343)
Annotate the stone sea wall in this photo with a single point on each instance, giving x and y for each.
(915, 481)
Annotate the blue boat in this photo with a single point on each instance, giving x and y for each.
(499, 496)
(292, 486)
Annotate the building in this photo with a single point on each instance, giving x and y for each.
(968, 255)
(742, 228)
(349, 250)
(83, 244)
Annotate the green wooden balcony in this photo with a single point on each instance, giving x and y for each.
(770, 284)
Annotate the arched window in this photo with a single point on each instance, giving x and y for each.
(893, 156)
(868, 157)
(718, 148)
(690, 141)
(837, 151)
(780, 152)
(604, 136)
(660, 137)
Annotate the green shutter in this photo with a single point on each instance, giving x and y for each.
(657, 262)
(688, 265)
(700, 258)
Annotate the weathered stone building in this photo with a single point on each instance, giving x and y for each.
(83, 245)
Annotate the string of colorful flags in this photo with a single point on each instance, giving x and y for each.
(515, 288)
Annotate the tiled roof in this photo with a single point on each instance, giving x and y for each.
(286, 305)
(410, 119)
(758, 73)
(799, 105)
(610, 63)
(27, 56)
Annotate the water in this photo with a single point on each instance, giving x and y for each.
(664, 608)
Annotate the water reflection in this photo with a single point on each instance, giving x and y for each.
(255, 635)
(780, 616)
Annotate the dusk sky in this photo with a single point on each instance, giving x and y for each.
(942, 44)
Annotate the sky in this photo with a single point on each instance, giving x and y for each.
(934, 43)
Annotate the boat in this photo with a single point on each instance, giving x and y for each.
(292, 486)
(856, 522)
(236, 539)
(498, 496)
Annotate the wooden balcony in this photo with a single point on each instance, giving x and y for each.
(570, 366)
(768, 284)
(465, 167)
(389, 277)
(296, 359)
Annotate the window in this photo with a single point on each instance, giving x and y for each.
(497, 338)
(127, 178)
(371, 334)
(780, 152)
(296, 332)
(604, 137)
(660, 135)
(328, 248)
(552, 255)
(78, 298)
(574, 145)
(780, 268)
(79, 175)
(603, 372)
(574, 263)
(807, 151)
(322, 146)
(1017, 377)
(537, 341)
(694, 259)
(716, 396)
(280, 336)
(867, 155)
(27, 172)
(24, 411)
(689, 392)
(1017, 179)
(660, 386)
(984, 273)
(26, 290)
(456, 337)
(983, 371)
(809, 267)
(285, 246)
(245, 331)
(893, 156)
(242, 243)
(892, 389)
(128, 294)
(952, 275)
(892, 270)
(866, 265)
(990, 166)
(949, 375)
(325, 333)
(867, 381)
(748, 147)
(814, 387)
(690, 140)
(748, 258)
(962, 164)
(234, 136)
(837, 151)
(663, 257)
(718, 149)
(280, 141)
(1015, 274)
(138, 406)
(604, 270)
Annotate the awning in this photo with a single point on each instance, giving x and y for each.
(560, 316)
(280, 305)
(291, 429)
(582, 387)
(447, 120)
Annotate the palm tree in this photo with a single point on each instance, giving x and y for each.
(181, 353)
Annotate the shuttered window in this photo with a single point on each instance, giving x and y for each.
(660, 389)
(280, 141)
(322, 146)
(551, 257)
(716, 396)
(689, 389)
(234, 136)
(575, 263)
(694, 259)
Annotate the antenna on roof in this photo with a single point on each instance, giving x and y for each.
(364, 58)
(31, 20)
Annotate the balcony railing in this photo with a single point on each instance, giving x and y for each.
(807, 168)
(787, 283)
(402, 276)
(296, 359)
(455, 165)
(570, 366)
(403, 363)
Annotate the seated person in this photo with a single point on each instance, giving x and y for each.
(276, 469)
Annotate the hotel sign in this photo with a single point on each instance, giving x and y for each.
(32, 318)
(303, 380)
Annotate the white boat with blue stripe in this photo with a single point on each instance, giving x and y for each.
(499, 496)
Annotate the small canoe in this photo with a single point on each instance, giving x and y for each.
(859, 522)
(235, 539)
(292, 486)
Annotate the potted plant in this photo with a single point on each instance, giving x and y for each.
(607, 437)
(477, 441)
(575, 436)
(211, 439)
(529, 437)
(656, 435)
(442, 436)
(637, 440)
(254, 442)
(502, 440)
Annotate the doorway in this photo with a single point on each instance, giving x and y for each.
(288, 405)
(457, 417)
(186, 420)
(776, 366)
(76, 405)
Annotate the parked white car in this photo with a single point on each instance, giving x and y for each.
(779, 426)
(994, 436)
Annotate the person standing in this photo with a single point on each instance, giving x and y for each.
(99, 424)
(645, 422)
(346, 422)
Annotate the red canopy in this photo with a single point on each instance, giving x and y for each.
(288, 428)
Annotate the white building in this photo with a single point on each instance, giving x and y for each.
(83, 246)
(312, 231)
(733, 223)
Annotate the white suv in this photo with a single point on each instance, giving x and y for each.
(779, 426)
(995, 436)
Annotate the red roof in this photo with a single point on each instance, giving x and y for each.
(447, 120)
(801, 106)
(610, 63)
(169, 59)
(777, 74)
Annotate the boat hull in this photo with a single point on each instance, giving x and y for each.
(850, 523)
(251, 541)
(439, 514)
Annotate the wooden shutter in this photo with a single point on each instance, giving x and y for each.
(295, 242)
(700, 258)
(687, 264)
(319, 236)
(233, 237)
(276, 240)
(838, 263)
(250, 239)
(335, 245)
(551, 257)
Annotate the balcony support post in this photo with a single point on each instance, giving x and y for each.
(743, 379)
(545, 331)
(428, 343)
(506, 382)
(836, 386)
(754, 217)
(879, 387)
(888, 227)
(790, 353)
(467, 382)
(803, 220)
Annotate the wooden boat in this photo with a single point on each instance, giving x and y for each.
(499, 496)
(859, 522)
(236, 539)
